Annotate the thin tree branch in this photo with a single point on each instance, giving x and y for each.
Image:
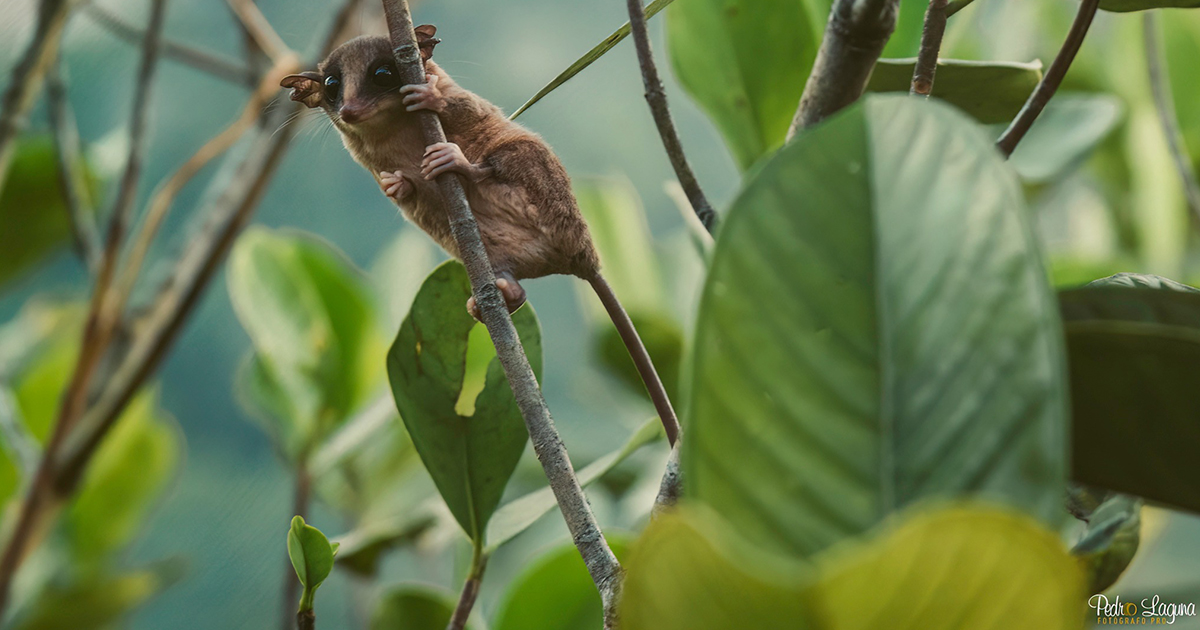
(957, 5)
(597, 556)
(26, 81)
(291, 586)
(1164, 101)
(43, 499)
(470, 590)
(201, 60)
(931, 45)
(72, 179)
(657, 98)
(854, 38)
(1050, 81)
(260, 30)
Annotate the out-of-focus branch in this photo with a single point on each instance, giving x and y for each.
(43, 499)
(1050, 81)
(931, 45)
(27, 78)
(72, 179)
(260, 30)
(1164, 101)
(602, 565)
(201, 60)
(657, 98)
(854, 38)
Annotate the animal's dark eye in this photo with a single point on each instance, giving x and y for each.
(384, 75)
(332, 85)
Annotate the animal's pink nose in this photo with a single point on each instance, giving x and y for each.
(353, 113)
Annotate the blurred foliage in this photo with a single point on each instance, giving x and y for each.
(413, 608)
(991, 92)
(1111, 539)
(555, 592)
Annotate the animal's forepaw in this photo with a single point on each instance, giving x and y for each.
(444, 157)
(395, 185)
(424, 96)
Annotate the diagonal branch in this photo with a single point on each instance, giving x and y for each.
(854, 38)
(931, 45)
(28, 76)
(72, 179)
(259, 29)
(201, 60)
(1050, 81)
(597, 556)
(657, 98)
(1160, 85)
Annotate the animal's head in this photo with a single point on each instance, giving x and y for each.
(357, 85)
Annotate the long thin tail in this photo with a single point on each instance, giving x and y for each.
(637, 352)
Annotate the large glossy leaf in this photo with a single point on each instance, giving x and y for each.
(555, 592)
(876, 330)
(589, 57)
(745, 62)
(470, 457)
(517, 515)
(1067, 131)
(413, 608)
(935, 570)
(1134, 344)
(308, 315)
(33, 217)
(989, 91)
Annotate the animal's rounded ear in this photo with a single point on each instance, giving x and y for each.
(306, 87)
(426, 40)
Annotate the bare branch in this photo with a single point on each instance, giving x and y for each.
(72, 179)
(957, 5)
(27, 77)
(671, 487)
(657, 98)
(597, 556)
(470, 590)
(854, 39)
(201, 60)
(260, 30)
(931, 45)
(1160, 85)
(1050, 81)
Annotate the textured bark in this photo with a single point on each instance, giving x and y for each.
(931, 45)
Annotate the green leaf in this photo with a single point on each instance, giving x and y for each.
(309, 317)
(519, 514)
(989, 91)
(588, 58)
(32, 209)
(99, 601)
(934, 570)
(1110, 541)
(1124, 6)
(663, 339)
(125, 479)
(1132, 354)
(398, 271)
(745, 62)
(687, 572)
(617, 222)
(555, 592)
(946, 569)
(1066, 133)
(469, 457)
(911, 348)
(311, 556)
(413, 608)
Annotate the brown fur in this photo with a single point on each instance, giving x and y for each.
(527, 215)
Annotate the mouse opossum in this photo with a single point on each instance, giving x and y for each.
(517, 188)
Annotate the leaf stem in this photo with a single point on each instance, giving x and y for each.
(656, 96)
(854, 38)
(1164, 102)
(470, 591)
(1050, 81)
(585, 531)
(931, 45)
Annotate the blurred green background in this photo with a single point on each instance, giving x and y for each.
(1119, 208)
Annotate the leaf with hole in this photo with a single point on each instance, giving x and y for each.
(911, 348)
(455, 399)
